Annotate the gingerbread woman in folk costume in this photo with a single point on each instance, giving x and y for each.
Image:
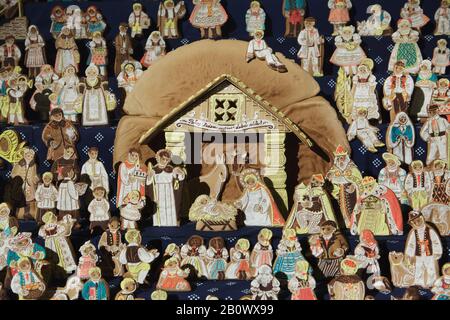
(68, 93)
(311, 48)
(414, 13)
(348, 53)
(258, 48)
(217, 259)
(346, 179)
(435, 132)
(406, 48)
(130, 74)
(208, 15)
(94, 20)
(442, 18)
(418, 185)
(441, 56)
(262, 253)
(45, 83)
(425, 85)
(257, 202)
(172, 278)
(302, 285)
(34, 51)
(367, 253)
(393, 176)
(400, 137)
(67, 51)
(265, 286)
(130, 211)
(364, 90)
(294, 11)
(98, 53)
(155, 48)
(377, 210)
(339, 14)
(58, 17)
(398, 89)
(239, 266)
(194, 253)
(255, 18)
(169, 12)
(423, 248)
(441, 287)
(138, 21)
(87, 261)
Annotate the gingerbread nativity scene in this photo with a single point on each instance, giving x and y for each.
(220, 150)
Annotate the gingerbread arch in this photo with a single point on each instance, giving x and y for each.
(188, 70)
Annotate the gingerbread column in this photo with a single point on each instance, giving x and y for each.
(175, 142)
(275, 171)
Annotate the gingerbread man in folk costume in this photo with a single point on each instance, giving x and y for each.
(398, 89)
(423, 248)
(441, 56)
(138, 20)
(169, 12)
(366, 133)
(347, 285)
(124, 48)
(418, 185)
(10, 53)
(442, 18)
(440, 177)
(258, 48)
(311, 48)
(435, 132)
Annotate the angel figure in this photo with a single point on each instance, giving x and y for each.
(57, 239)
(239, 266)
(96, 99)
(208, 16)
(194, 253)
(169, 13)
(257, 202)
